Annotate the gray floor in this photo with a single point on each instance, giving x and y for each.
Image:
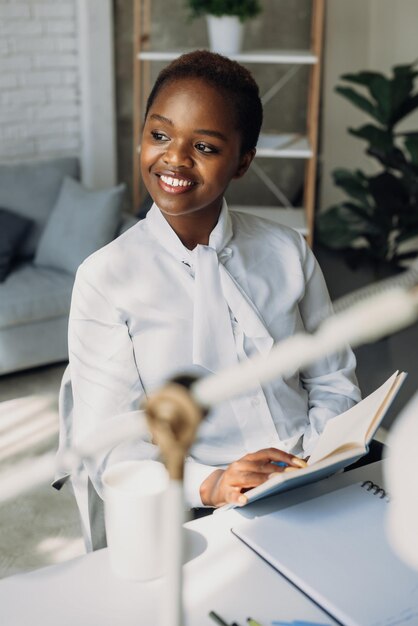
(41, 526)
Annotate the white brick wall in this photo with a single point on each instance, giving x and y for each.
(39, 80)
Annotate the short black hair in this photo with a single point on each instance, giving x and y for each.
(226, 75)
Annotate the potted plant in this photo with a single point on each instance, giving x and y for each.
(225, 20)
(380, 214)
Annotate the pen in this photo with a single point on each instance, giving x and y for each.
(218, 619)
(252, 622)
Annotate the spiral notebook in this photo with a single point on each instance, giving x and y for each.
(334, 548)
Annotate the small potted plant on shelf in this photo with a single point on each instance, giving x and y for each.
(225, 20)
(380, 215)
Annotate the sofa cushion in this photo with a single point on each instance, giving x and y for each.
(13, 228)
(31, 294)
(31, 190)
(81, 222)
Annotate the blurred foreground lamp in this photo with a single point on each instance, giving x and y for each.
(176, 410)
(173, 419)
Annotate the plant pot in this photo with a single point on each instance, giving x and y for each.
(225, 34)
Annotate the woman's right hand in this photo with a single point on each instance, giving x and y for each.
(227, 486)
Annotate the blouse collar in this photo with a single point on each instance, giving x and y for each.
(167, 237)
(242, 308)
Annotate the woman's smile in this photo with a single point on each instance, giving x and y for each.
(175, 184)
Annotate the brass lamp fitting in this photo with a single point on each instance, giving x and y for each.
(173, 418)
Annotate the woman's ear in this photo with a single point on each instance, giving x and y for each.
(244, 163)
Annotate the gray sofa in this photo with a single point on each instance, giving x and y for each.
(68, 222)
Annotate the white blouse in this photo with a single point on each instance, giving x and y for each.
(132, 327)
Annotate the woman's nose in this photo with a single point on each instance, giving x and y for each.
(177, 155)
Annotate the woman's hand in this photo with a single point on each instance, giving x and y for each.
(251, 470)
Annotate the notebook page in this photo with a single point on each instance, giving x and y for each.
(334, 548)
(352, 425)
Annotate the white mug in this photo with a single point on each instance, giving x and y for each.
(134, 494)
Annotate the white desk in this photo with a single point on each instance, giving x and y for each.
(221, 574)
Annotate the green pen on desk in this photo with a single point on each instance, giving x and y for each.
(252, 622)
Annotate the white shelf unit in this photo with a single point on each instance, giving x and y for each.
(286, 57)
(270, 145)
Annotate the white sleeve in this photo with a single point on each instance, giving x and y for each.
(104, 375)
(106, 385)
(331, 381)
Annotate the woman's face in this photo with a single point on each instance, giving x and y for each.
(190, 148)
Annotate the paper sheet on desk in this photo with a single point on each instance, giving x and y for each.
(334, 548)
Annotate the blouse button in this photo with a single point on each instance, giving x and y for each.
(255, 401)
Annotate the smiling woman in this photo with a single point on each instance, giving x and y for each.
(196, 288)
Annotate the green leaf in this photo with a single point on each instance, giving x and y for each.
(409, 172)
(378, 138)
(408, 234)
(355, 184)
(389, 195)
(411, 133)
(340, 226)
(404, 256)
(386, 94)
(244, 9)
(362, 78)
(395, 159)
(382, 210)
(361, 212)
(405, 108)
(380, 88)
(400, 70)
(360, 101)
(392, 98)
(402, 87)
(408, 218)
(411, 144)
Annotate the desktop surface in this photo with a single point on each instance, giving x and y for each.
(220, 574)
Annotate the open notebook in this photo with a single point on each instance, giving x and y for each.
(334, 548)
(344, 440)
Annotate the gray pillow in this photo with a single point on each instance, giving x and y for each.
(31, 190)
(81, 222)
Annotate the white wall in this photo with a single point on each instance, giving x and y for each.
(57, 94)
(39, 80)
(97, 85)
(359, 35)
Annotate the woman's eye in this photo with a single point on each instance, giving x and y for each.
(159, 136)
(203, 147)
